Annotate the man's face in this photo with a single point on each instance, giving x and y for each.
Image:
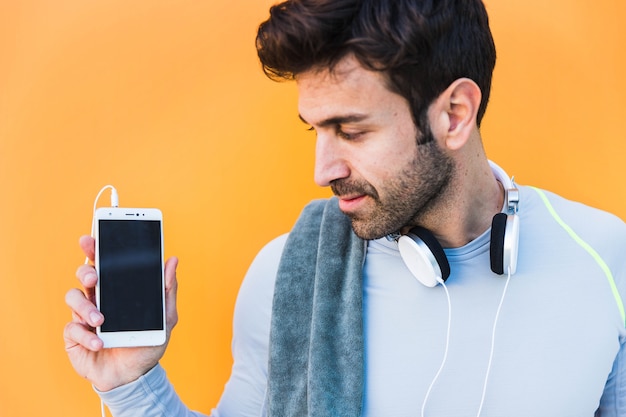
(367, 149)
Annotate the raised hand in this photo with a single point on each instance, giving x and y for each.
(109, 368)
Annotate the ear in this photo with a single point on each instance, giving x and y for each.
(455, 112)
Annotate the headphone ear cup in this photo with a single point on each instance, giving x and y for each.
(424, 256)
(504, 243)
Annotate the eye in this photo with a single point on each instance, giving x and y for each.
(347, 135)
(343, 134)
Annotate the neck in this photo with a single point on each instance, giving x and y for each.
(467, 209)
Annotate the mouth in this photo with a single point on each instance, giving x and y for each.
(351, 203)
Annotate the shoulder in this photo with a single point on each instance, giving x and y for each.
(261, 275)
(258, 283)
(588, 222)
(567, 226)
(575, 243)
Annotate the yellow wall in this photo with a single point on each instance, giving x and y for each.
(165, 100)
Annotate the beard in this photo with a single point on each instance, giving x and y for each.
(404, 199)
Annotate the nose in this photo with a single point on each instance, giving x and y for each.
(330, 161)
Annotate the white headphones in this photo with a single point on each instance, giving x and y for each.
(425, 258)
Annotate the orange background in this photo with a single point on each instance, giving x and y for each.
(165, 100)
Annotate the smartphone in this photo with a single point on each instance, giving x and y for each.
(130, 292)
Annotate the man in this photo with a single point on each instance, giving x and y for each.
(333, 319)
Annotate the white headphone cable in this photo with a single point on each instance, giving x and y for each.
(445, 352)
(493, 341)
(114, 203)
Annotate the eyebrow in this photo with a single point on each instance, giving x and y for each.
(338, 120)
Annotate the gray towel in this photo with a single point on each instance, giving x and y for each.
(316, 338)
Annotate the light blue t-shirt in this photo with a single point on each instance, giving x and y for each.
(557, 346)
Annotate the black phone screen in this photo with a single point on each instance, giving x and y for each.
(130, 268)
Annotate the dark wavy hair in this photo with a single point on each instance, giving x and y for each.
(421, 46)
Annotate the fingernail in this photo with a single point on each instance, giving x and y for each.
(95, 317)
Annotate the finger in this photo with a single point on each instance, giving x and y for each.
(88, 245)
(83, 308)
(171, 291)
(87, 276)
(78, 319)
(76, 334)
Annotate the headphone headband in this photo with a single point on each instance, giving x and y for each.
(511, 193)
(426, 259)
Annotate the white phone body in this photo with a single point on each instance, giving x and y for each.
(130, 291)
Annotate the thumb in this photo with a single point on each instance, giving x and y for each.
(171, 290)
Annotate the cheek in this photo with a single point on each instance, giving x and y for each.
(397, 152)
(384, 157)
(387, 166)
